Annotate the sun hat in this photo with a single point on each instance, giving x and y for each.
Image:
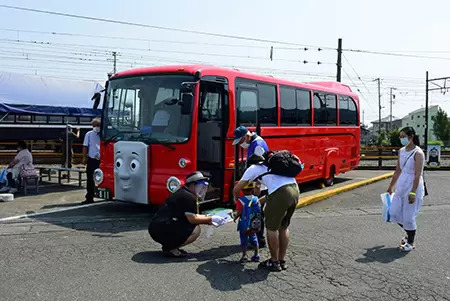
(195, 177)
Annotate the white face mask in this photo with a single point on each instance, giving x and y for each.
(245, 145)
(96, 129)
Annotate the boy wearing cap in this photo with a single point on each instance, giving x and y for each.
(255, 145)
(244, 205)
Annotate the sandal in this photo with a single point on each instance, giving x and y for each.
(175, 253)
(183, 251)
(283, 265)
(273, 266)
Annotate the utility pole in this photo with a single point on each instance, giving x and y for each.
(391, 100)
(339, 60)
(379, 122)
(115, 62)
(363, 120)
(426, 113)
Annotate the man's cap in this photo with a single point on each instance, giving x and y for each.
(239, 132)
(195, 177)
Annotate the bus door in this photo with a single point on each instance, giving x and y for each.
(212, 128)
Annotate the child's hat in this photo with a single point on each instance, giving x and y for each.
(250, 185)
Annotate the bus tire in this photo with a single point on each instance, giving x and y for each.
(330, 180)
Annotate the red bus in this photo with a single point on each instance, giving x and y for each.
(162, 123)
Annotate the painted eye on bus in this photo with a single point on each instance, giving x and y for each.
(134, 165)
(119, 163)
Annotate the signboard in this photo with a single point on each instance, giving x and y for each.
(434, 155)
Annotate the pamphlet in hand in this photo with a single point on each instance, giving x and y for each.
(222, 212)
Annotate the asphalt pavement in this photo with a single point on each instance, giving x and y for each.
(340, 250)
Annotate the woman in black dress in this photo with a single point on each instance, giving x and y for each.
(176, 223)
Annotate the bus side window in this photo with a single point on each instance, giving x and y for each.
(288, 106)
(211, 105)
(303, 107)
(331, 109)
(248, 107)
(267, 113)
(348, 114)
(343, 110)
(320, 109)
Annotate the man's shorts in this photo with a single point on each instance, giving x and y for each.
(280, 207)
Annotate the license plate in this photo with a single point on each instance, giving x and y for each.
(103, 193)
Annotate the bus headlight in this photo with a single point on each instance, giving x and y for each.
(173, 184)
(98, 176)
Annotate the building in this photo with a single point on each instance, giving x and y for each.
(386, 124)
(416, 119)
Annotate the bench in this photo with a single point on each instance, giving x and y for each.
(28, 183)
(47, 172)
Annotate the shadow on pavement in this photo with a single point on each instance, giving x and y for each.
(157, 257)
(316, 185)
(45, 189)
(223, 274)
(381, 254)
(103, 219)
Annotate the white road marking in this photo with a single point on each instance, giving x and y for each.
(51, 211)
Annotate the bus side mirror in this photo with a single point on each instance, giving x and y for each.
(187, 100)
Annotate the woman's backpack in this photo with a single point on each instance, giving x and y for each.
(251, 218)
(283, 163)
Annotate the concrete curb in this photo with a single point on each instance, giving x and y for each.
(311, 199)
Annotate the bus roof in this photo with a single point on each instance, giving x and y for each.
(334, 87)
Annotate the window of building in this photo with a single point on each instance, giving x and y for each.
(39, 119)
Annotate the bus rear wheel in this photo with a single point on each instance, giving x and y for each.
(330, 180)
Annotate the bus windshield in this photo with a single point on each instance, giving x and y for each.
(148, 109)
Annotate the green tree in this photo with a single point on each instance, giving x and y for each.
(394, 138)
(382, 139)
(441, 126)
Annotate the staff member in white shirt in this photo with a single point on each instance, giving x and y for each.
(91, 157)
(280, 206)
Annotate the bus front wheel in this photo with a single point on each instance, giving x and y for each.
(330, 180)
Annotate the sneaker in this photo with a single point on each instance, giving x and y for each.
(273, 266)
(404, 241)
(244, 259)
(255, 258)
(407, 247)
(87, 202)
(13, 190)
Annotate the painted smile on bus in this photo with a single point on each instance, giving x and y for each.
(130, 170)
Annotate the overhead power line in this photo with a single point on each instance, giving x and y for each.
(397, 54)
(205, 33)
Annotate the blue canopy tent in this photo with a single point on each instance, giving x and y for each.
(37, 95)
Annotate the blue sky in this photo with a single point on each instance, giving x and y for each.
(407, 27)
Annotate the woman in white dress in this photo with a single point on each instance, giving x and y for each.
(409, 187)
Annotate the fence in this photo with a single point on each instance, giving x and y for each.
(386, 157)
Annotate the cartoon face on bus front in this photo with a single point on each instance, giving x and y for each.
(130, 171)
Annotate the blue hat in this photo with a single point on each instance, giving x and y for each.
(239, 133)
